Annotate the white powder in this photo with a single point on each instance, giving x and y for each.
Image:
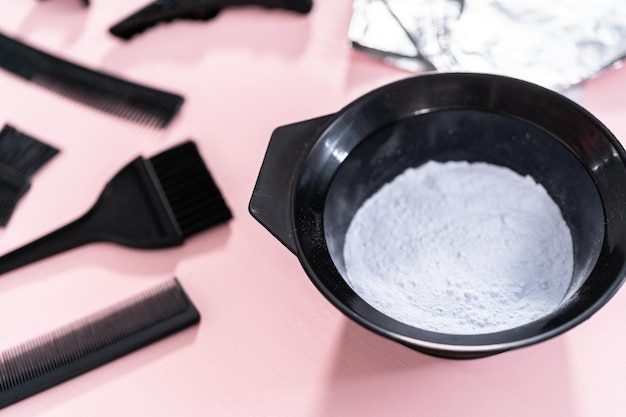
(460, 248)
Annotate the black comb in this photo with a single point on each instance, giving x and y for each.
(112, 95)
(168, 10)
(95, 340)
(21, 156)
(151, 203)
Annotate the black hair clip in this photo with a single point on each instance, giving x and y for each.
(167, 10)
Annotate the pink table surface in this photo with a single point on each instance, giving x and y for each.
(268, 344)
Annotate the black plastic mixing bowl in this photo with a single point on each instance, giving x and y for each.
(317, 173)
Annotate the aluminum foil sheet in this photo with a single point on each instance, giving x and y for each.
(557, 44)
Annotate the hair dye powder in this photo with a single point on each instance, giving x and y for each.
(460, 248)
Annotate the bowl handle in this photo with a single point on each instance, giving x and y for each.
(271, 199)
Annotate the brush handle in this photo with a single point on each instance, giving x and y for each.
(67, 237)
(131, 211)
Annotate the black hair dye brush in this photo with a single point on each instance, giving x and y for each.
(167, 10)
(21, 156)
(151, 203)
(95, 340)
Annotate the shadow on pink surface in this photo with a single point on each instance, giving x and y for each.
(230, 31)
(376, 376)
(67, 16)
(140, 262)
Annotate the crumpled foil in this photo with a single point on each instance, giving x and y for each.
(557, 43)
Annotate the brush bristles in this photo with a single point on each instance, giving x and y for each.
(42, 362)
(195, 199)
(21, 156)
(23, 153)
(8, 204)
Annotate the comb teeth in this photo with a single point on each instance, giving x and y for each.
(129, 102)
(195, 199)
(109, 94)
(83, 345)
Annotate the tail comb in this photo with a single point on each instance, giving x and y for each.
(79, 347)
(109, 94)
(21, 156)
(151, 203)
(167, 10)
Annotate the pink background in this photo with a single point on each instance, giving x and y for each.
(269, 344)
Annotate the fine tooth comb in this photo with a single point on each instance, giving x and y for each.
(167, 10)
(150, 203)
(21, 156)
(109, 94)
(95, 340)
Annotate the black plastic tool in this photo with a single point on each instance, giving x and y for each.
(85, 2)
(151, 203)
(168, 10)
(21, 156)
(317, 174)
(95, 340)
(107, 93)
